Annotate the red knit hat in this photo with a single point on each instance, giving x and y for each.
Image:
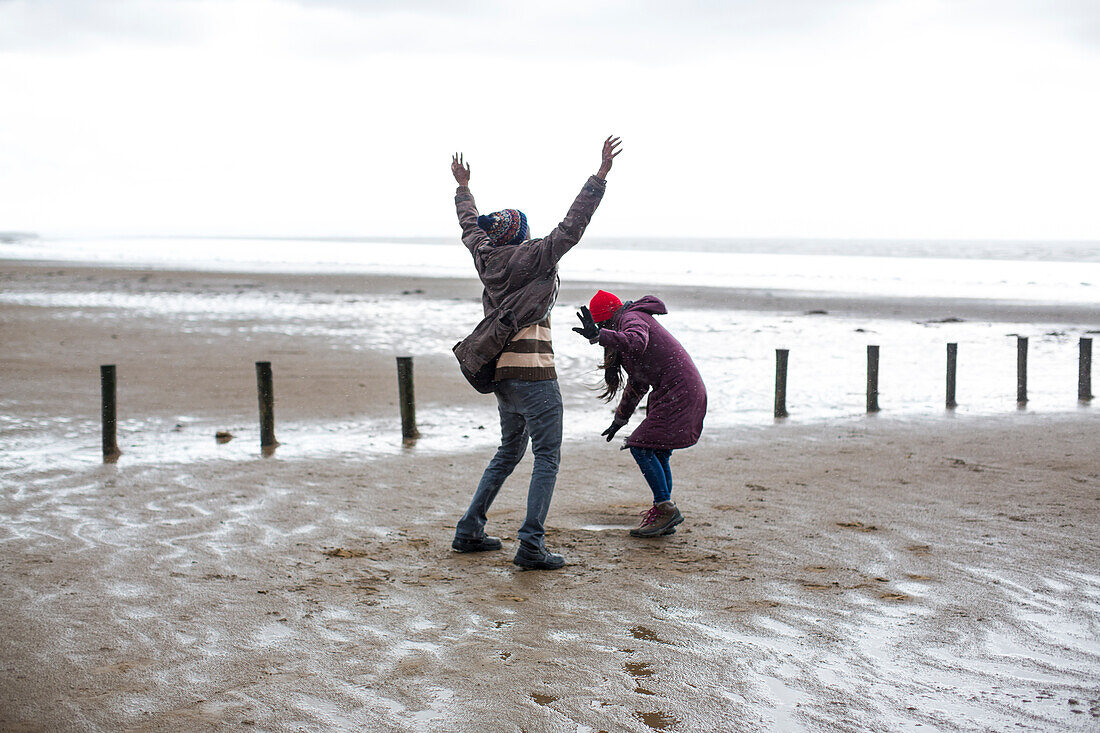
(603, 305)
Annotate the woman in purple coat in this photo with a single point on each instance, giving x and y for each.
(654, 362)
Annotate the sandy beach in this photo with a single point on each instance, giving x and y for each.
(870, 573)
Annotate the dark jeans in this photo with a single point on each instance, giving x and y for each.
(654, 465)
(529, 411)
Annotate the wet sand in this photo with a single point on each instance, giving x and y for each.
(861, 574)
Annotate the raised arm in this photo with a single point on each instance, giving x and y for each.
(460, 169)
(472, 234)
(569, 232)
(633, 338)
(611, 149)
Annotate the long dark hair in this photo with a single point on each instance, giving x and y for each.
(612, 364)
(612, 373)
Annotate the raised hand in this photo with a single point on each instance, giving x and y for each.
(588, 328)
(460, 169)
(610, 150)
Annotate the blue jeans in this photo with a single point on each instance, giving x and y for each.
(654, 465)
(529, 411)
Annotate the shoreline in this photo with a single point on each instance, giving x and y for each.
(185, 343)
(708, 297)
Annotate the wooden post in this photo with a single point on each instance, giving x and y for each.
(406, 398)
(1084, 371)
(107, 385)
(266, 390)
(781, 382)
(872, 378)
(1021, 370)
(952, 354)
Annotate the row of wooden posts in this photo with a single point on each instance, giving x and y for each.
(266, 391)
(1084, 375)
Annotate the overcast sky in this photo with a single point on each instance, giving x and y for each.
(743, 118)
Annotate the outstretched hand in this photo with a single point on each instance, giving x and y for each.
(588, 328)
(610, 150)
(460, 169)
(614, 428)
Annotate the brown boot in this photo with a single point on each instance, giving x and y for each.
(658, 520)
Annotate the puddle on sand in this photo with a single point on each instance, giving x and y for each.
(657, 720)
(434, 712)
(274, 633)
(787, 700)
(542, 699)
(605, 527)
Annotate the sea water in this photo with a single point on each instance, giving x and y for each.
(1061, 272)
(734, 349)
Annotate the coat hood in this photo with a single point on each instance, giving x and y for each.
(650, 304)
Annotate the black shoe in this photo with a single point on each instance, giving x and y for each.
(476, 544)
(532, 559)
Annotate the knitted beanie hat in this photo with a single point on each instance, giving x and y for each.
(603, 305)
(508, 226)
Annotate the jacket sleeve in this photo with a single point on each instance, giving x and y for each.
(632, 395)
(569, 232)
(472, 234)
(634, 338)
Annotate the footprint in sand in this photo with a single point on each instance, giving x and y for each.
(341, 552)
(542, 699)
(646, 634)
(860, 526)
(657, 720)
(640, 671)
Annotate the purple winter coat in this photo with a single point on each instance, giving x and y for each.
(654, 360)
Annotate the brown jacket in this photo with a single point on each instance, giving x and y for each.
(521, 280)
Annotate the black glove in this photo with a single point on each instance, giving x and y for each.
(588, 328)
(610, 432)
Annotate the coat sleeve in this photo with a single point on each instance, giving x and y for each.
(472, 235)
(632, 339)
(569, 232)
(632, 395)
